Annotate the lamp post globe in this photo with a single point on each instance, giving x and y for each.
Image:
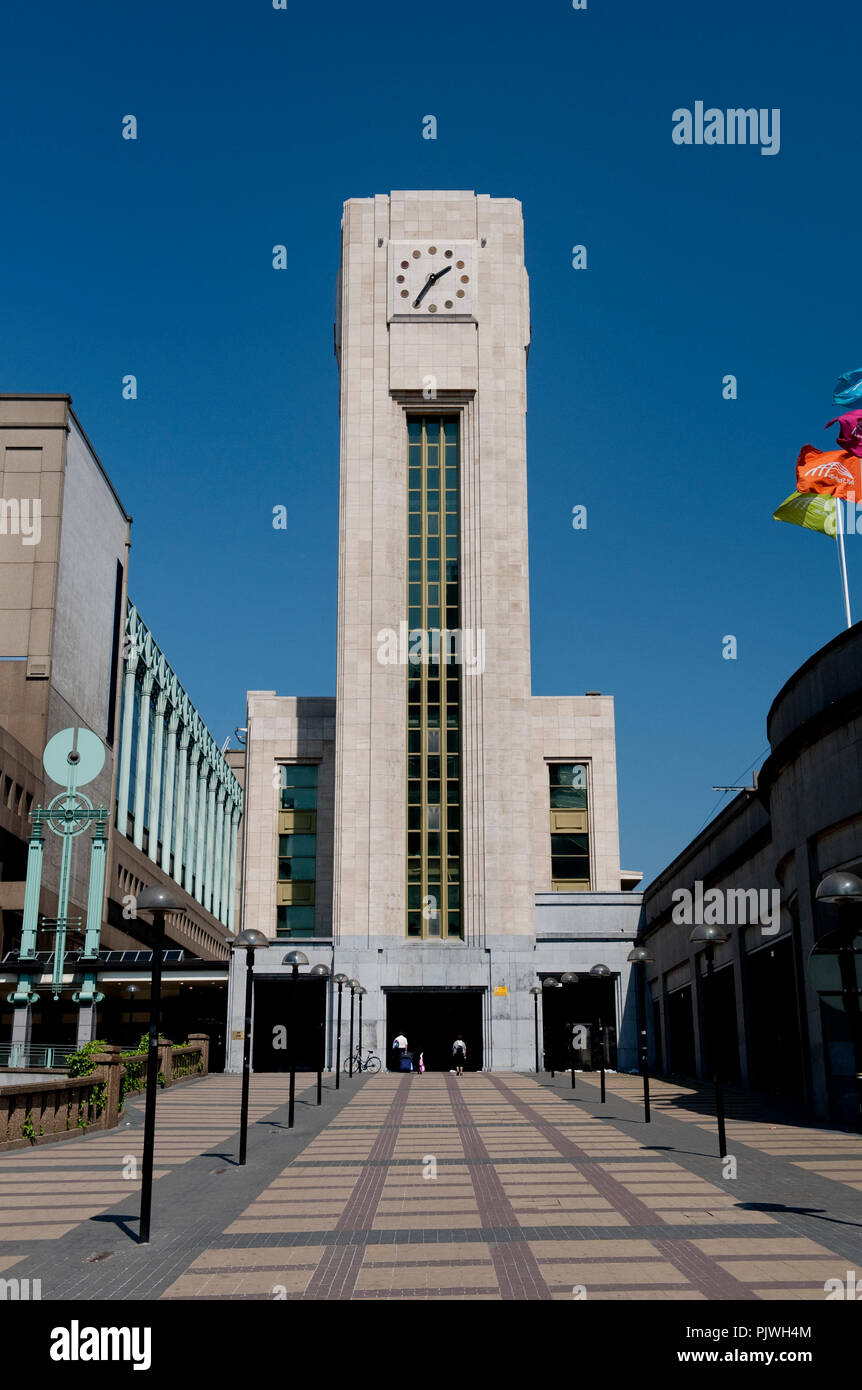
(249, 940)
(295, 959)
(159, 899)
(839, 887)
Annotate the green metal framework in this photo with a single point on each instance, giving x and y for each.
(180, 791)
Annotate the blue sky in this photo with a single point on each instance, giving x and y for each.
(153, 257)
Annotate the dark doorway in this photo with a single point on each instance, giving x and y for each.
(657, 1057)
(289, 1020)
(680, 1028)
(718, 1025)
(54, 1020)
(774, 1042)
(584, 1004)
(431, 1020)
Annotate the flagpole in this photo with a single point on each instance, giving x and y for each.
(842, 559)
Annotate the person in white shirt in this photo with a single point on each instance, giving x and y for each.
(399, 1047)
(459, 1053)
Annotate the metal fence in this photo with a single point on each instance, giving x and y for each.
(29, 1055)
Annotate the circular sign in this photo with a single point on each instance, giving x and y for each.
(73, 753)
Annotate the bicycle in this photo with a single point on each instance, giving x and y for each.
(371, 1064)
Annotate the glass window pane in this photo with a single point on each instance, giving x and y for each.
(303, 799)
(302, 869)
(569, 867)
(300, 844)
(569, 844)
(295, 775)
(569, 797)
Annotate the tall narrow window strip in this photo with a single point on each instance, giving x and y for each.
(297, 850)
(433, 684)
(570, 827)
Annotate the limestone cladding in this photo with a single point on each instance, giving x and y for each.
(479, 367)
(578, 728)
(284, 728)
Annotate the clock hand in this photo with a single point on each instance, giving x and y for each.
(422, 293)
(432, 280)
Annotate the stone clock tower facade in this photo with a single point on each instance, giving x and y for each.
(432, 794)
(434, 832)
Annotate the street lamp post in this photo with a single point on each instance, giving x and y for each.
(158, 901)
(839, 988)
(362, 993)
(601, 972)
(248, 941)
(536, 991)
(354, 986)
(341, 981)
(711, 936)
(321, 972)
(550, 982)
(294, 959)
(641, 957)
(570, 978)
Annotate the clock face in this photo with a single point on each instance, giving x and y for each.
(430, 278)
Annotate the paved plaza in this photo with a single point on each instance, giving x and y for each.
(488, 1187)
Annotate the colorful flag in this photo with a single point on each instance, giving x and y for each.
(848, 389)
(850, 434)
(831, 472)
(807, 509)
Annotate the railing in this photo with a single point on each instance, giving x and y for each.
(33, 1112)
(30, 1055)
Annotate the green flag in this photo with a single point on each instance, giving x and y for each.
(808, 509)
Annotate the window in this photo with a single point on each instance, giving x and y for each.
(433, 682)
(570, 838)
(297, 850)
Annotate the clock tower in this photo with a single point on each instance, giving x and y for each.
(432, 833)
(436, 834)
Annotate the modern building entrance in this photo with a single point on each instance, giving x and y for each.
(431, 1019)
(289, 1016)
(589, 1002)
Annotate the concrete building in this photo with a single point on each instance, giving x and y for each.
(762, 859)
(75, 654)
(435, 830)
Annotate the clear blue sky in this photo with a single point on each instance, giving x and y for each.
(154, 258)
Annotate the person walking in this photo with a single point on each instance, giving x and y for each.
(399, 1047)
(459, 1054)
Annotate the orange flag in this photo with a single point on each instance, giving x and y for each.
(832, 473)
